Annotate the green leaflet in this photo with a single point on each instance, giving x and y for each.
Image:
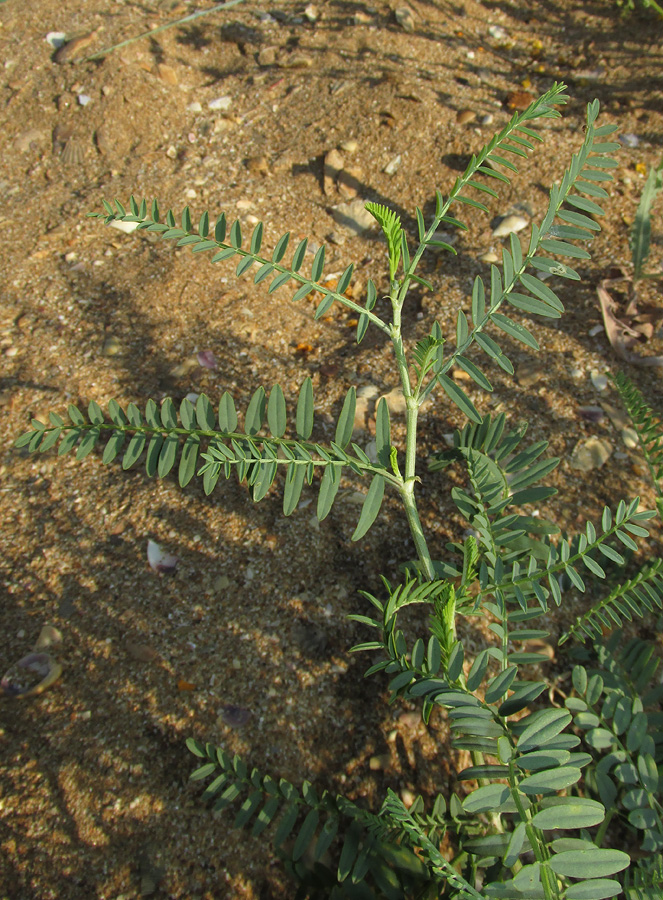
(393, 232)
(371, 507)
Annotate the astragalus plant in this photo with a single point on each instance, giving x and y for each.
(555, 792)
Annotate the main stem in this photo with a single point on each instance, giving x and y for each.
(409, 477)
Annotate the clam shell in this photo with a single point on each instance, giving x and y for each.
(30, 675)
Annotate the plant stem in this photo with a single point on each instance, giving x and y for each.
(410, 477)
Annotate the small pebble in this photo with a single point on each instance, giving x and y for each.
(489, 257)
(463, 116)
(393, 165)
(599, 380)
(497, 33)
(195, 107)
(591, 413)
(350, 146)
(234, 716)
(84, 99)
(630, 438)
(220, 103)
(628, 140)
(56, 39)
(596, 329)
(407, 797)
(528, 373)
(488, 119)
(111, 347)
(353, 216)
(589, 454)
(405, 18)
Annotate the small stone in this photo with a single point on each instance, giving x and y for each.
(596, 329)
(405, 18)
(332, 166)
(141, 652)
(591, 413)
(171, 152)
(528, 373)
(350, 146)
(463, 116)
(489, 257)
(599, 380)
(407, 797)
(396, 402)
(295, 61)
(112, 346)
(220, 103)
(378, 762)
(363, 407)
(353, 216)
(30, 140)
(72, 49)
(84, 99)
(488, 119)
(362, 18)
(349, 182)
(167, 74)
(257, 165)
(195, 107)
(311, 13)
(617, 416)
(49, 636)
(220, 583)
(369, 391)
(410, 719)
(234, 716)
(630, 438)
(182, 369)
(497, 33)
(56, 39)
(267, 56)
(590, 453)
(538, 645)
(509, 225)
(393, 165)
(628, 140)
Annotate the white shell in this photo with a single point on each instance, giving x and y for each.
(509, 225)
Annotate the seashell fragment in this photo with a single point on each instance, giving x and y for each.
(73, 152)
(160, 560)
(30, 675)
(207, 359)
(509, 225)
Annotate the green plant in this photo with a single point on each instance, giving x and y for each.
(641, 233)
(627, 6)
(531, 824)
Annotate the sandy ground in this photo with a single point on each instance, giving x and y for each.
(247, 644)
